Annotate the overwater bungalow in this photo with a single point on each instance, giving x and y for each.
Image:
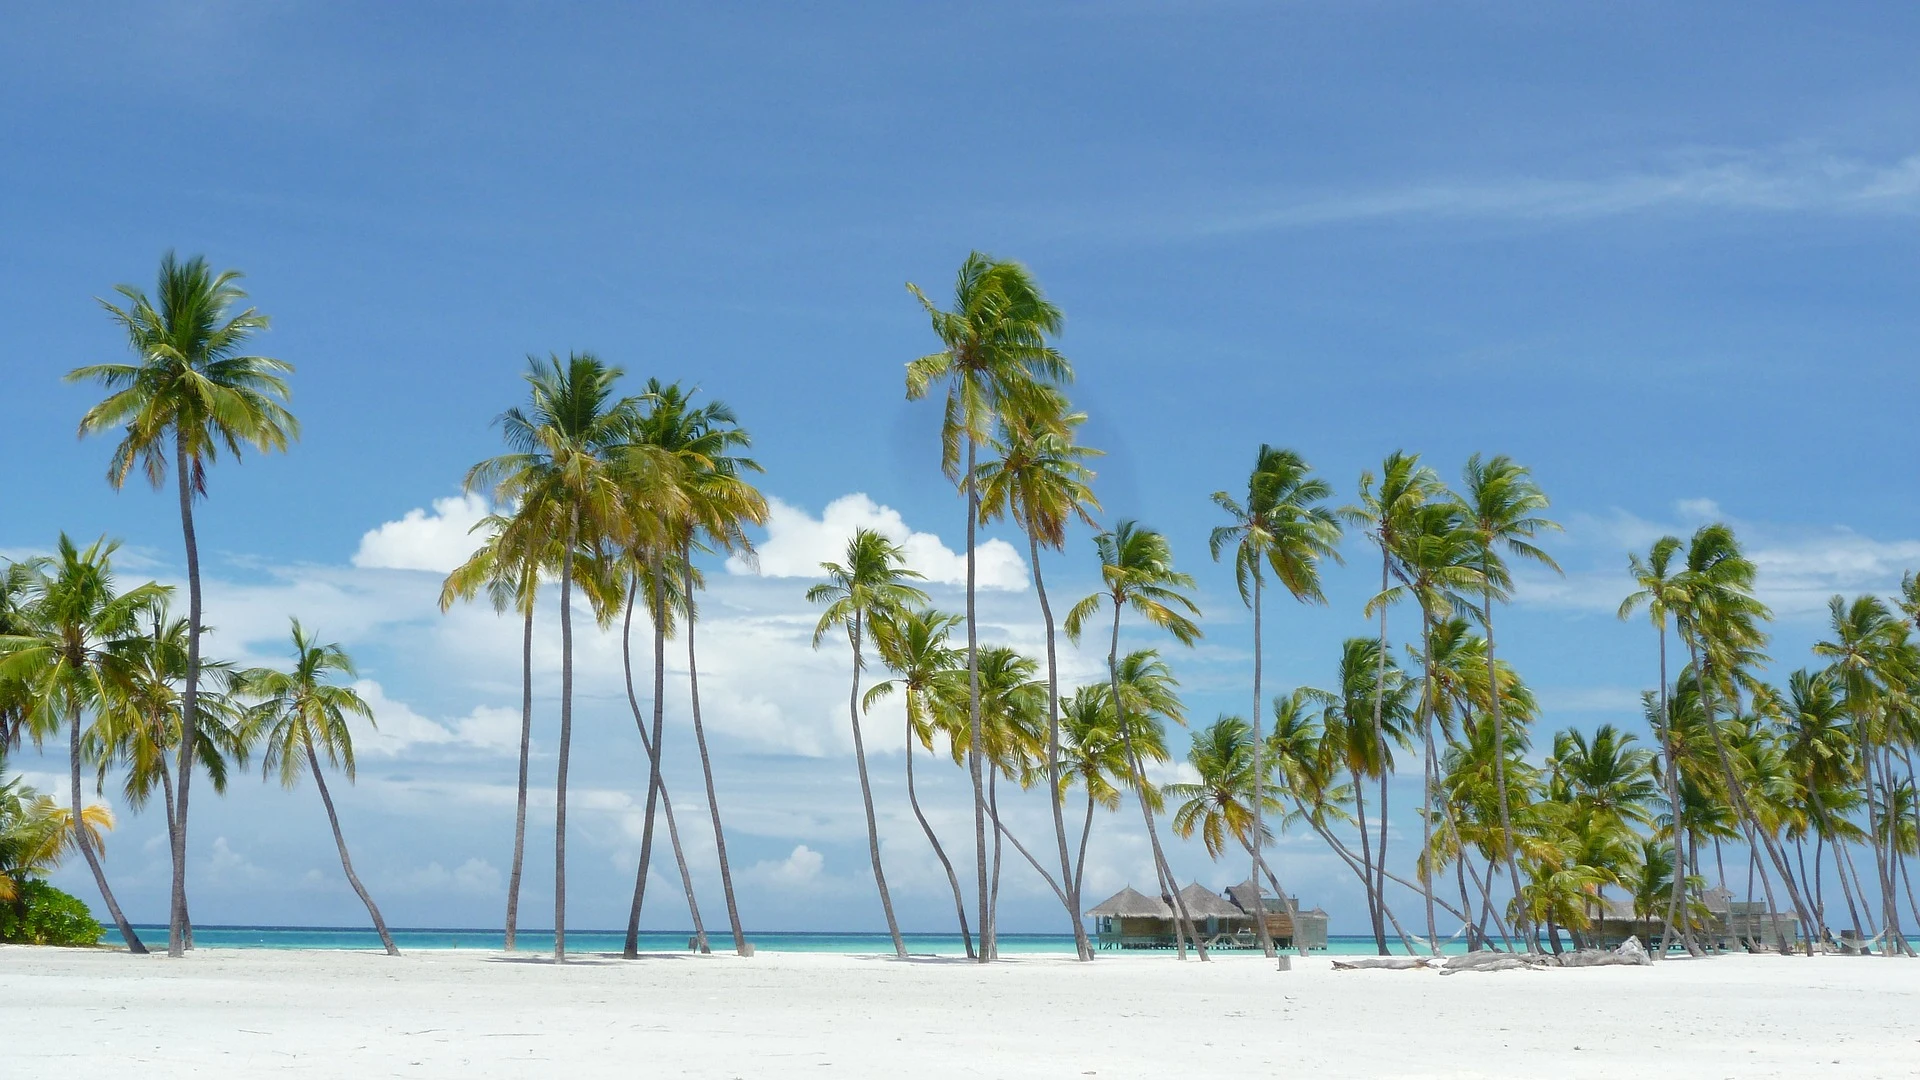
(1728, 924)
(1130, 919)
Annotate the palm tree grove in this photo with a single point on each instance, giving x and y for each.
(1421, 763)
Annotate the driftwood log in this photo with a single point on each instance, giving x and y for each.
(1389, 963)
(1497, 961)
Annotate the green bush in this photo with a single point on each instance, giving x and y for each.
(43, 915)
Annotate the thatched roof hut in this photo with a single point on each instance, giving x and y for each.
(1201, 903)
(1129, 903)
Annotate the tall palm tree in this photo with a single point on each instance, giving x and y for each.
(1502, 508)
(994, 351)
(720, 503)
(1040, 478)
(77, 635)
(1095, 754)
(913, 645)
(871, 584)
(1660, 590)
(1389, 506)
(1136, 572)
(1719, 621)
(1821, 751)
(1220, 805)
(508, 567)
(567, 466)
(302, 715)
(1873, 669)
(1283, 526)
(192, 390)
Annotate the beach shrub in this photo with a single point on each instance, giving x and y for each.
(43, 915)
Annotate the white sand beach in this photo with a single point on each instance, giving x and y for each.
(66, 1013)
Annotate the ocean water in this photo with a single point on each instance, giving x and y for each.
(611, 941)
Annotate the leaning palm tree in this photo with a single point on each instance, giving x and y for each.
(192, 390)
(1039, 477)
(565, 471)
(1283, 526)
(1136, 571)
(1501, 508)
(871, 584)
(1388, 507)
(303, 715)
(1661, 592)
(913, 645)
(78, 632)
(994, 351)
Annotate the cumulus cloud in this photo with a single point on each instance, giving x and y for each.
(436, 541)
(803, 866)
(473, 877)
(797, 543)
(398, 729)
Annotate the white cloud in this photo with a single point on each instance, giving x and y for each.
(437, 541)
(1789, 180)
(797, 543)
(475, 877)
(802, 867)
(398, 729)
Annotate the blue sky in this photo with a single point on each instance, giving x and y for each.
(1663, 256)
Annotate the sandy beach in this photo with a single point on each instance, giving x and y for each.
(72, 1013)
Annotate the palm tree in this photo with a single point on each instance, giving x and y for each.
(994, 351)
(1501, 507)
(566, 467)
(1387, 510)
(36, 833)
(913, 644)
(1040, 478)
(871, 585)
(508, 567)
(1282, 526)
(77, 634)
(303, 714)
(1661, 592)
(1220, 805)
(16, 579)
(1719, 621)
(719, 503)
(1136, 569)
(192, 390)
(1873, 668)
(1367, 716)
(1095, 754)
(1820, 749)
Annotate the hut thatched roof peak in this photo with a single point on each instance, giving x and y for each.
(1130, 903)
(1203, 903)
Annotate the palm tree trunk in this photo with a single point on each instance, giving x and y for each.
(189, 697)
(976, 745)
(166, 793)
(1427, 770)
(630, 948)
(1086, 832)
(706, 763)
(1055, 796)
(1380, 744)
(1286, 903)
(1058, 893)
(1366, 860)
(346, 863)
(1824, 824)
(866, 796)
(993, 816)
(79, 824)
(1500, 759)
(657, 606)
(1259, 772)
(520, 793)
(1183, 923)
(953, 879)
(1676, 897)
(566, 743)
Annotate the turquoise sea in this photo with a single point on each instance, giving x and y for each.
(592, 941)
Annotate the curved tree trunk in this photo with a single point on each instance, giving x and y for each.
(1259, 774)
(866, 796)
(630, 948)
(1500, 762)
(976, 746)
(1379, 886)
(189, 697)
(706, 766)
(1374, 899)
(1183, 923)
(1427, 772)
(656, 606)
(520, 794)
(79, 825)
(566, 744)
(993, 818)
(913, 799)
(1677, 914)
(346, 863)
(1055, 797)
(166, 793)
(1086, 833)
